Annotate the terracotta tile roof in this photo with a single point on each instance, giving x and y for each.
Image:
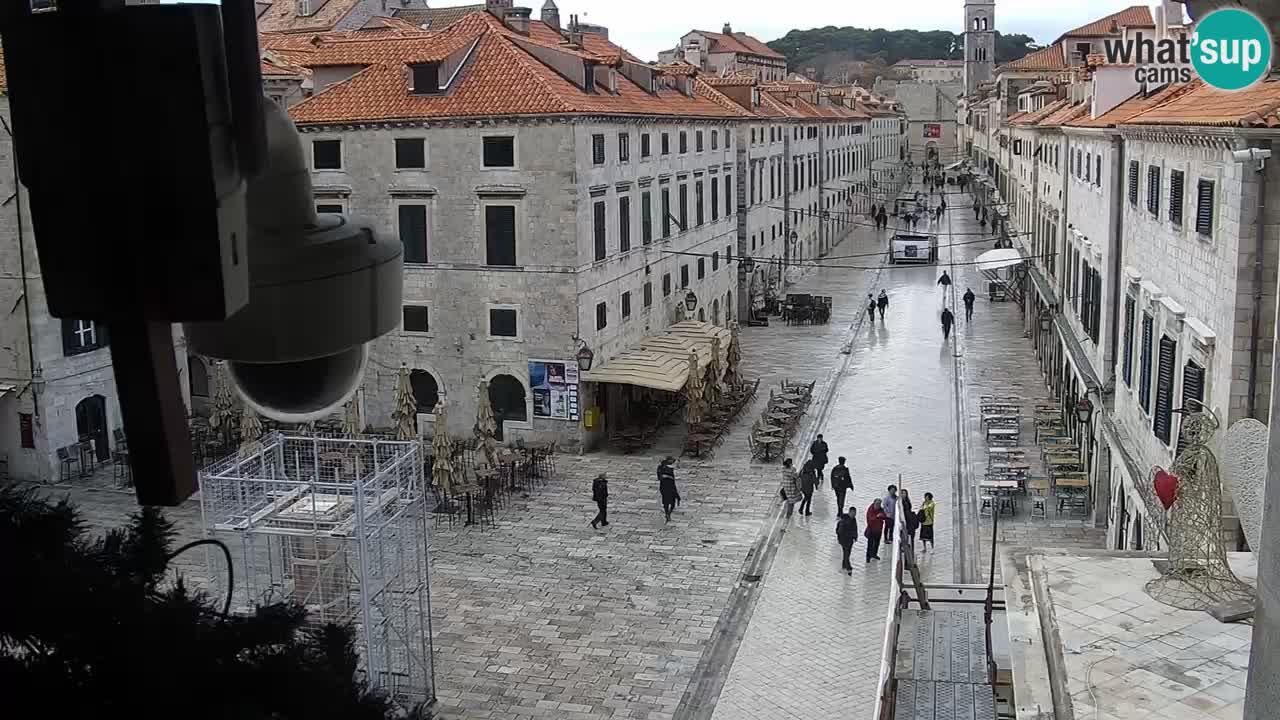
(739, 43)
(678, 68)
(437, 18)
(1049, 58)
(282, 16)
(1131, 107)
(934, 63)
(1015, 117)
(1035, 116)
(4, 76)
(275, 68)
(391, 23)
(1064, 115)
(1205, 106)
(731, 81)
(499, 79)
(1132, 16)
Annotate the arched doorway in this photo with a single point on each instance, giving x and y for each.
(91, 424)
(426, 391)
(198, 376)
(715, 311)
(931, 152)
(508, 398)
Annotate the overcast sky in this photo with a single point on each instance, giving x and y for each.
(646, 26)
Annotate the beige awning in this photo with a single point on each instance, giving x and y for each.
(704, 333)
(646, 368)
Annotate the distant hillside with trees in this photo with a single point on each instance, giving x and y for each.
(834, 52)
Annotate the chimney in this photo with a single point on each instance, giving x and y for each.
(573, 38)
(517, 18)
(726, 30)
(551, 14)
(498, 8)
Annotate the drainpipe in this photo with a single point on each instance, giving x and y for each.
(1117, 251)
(1259, 250)
(22, 270)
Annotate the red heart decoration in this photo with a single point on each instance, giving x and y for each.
(1166, 488)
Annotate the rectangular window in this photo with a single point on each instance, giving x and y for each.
(503, 322)
(666, 212)
(715, 139)
(597, 149)
(413, 232)
(1088, 167)
(1153, 190)
(666, 143)
(1175, 197)
(415, 319)
(697, 203)
(728, 196)
(684, 207)
(1162, 420)
(1097, 175)
(1127, 356)
(499, 151)
(598, 233)
(500, 235)
(624, 147)
(411, 153)
(329, 208)
(626, 305)
(684, 142)
(624, 223)
(1133, 183)
(715, 199)
(1095, 323)
(326, 154)
(684, 275)
(697, 141)
(1192, 394)
(1144, 365)
(602, 316)
(715, 261)
(645, 146)
(82, 336)
(26, 430)
(648, 294)
(702, 268)
(646, 217)
(1204, 208)
(666, 284)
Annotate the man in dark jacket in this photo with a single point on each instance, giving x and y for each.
(944, 280)
(667, 486)
(968, 304)
(818, 451)
(841, 483)
(808, 479)
(947, 320)
(600, 493)
(846, 534)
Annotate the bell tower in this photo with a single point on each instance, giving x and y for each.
(979, 43)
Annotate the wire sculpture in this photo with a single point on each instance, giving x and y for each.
(1198, 576)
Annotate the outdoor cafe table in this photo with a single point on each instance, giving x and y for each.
(1057, 440)
(700, 442)
(1075, 480)
(1006, 452)
(1061, 463)
(1005, 435)
(1000, 484)
(1008, 467)
(771, 445)
(780, 418)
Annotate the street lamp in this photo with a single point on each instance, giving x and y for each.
(1046, 318)
(748, 264)
(584, 356)
(691, 301)
(1084, 410)
(793, 237)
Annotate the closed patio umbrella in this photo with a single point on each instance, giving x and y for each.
(223, 405)
(693, 392)
(405, 414)
(352, 423)
(735, 354)
(486, 429)
(442, 451)
(250, 429)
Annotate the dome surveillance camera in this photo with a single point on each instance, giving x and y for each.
(321, 288)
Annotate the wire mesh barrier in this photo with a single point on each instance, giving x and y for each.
(337, 525)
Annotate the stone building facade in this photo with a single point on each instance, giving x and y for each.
(728, 53)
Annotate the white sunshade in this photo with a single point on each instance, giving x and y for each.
(998, 259)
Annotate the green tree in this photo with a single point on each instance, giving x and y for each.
(819, 47)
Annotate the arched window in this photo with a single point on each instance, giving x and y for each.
(198, 377)
(426, 392)
(715, 311)
(984, 23)
(975, 23)
(507, 396)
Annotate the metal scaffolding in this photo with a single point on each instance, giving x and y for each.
(339, 526)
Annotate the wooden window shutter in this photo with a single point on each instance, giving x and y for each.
(69, 340)
(1162, 419)
(1175, 197)
(1204, 207)
(1097, 305)
(1192, 390)
(1153, 190)
(1128, 340)
(1144, 366)
(1133, 182)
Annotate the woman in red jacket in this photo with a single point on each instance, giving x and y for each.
(875, 526)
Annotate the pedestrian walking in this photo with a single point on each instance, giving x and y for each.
(790, 489)
(876, 520)
(818, 453)
(667, 486)
(600, 493)
(890, 506)
(906, 511)
(927, 512)
(841, 483)
(977, 210)
(882, 303)
(871, 307)
(969, 297)
(944, 281)
(884, 219)
(808, 481)
(947, 320)
(846, 534)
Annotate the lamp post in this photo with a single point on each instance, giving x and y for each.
(690, 304)
(584, 356)
(794, 239)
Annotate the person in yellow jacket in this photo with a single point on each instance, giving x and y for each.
(927, 510)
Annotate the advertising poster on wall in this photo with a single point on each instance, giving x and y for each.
(555, 389)
(933, 130)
